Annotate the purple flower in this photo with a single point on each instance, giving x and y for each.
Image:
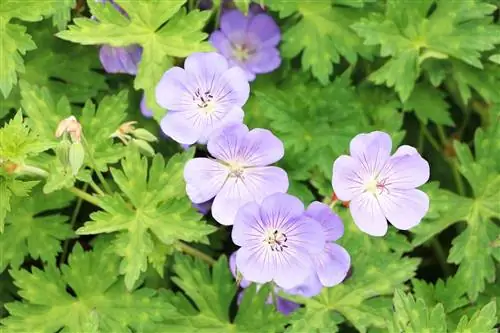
(249, 42)
(380, 186)
(277, 241)
(204, 207)
(240, 172)
(120, 59)
(204, 96)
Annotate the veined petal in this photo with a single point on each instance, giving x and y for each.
(332, 264)
(404, 208)
(256, 264)
(248, 228)
(367, 214)
(205, 68)
(204, 178)
(263, 28)
(222, 44)
(231, 88)
(220, 119)
(225, 144)
(173, 92)
(264, 61)
(260, 148)
(279, 208)
(348, 178)
(233, 23)
(256, 184)
(309, 288)
(331, 222)
(304, 235)
(293, 267)
(372, 150)
(185, 127)
(406, 169)
(232, 267)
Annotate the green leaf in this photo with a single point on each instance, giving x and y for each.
(161, 28)
(157, 212)
(62, 13)
(449, 293)
(414, 316)
(98, 302)
(28, 233)
(9, 189)
(410, 35)
(322, 35)
(429, 104)
(484, 320)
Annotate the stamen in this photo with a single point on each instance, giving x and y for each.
(203, 101)
(276, 241)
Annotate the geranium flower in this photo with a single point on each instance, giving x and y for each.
(379, 186)
(204, 96)
(239, 174)
(249, 42)
(277, 241)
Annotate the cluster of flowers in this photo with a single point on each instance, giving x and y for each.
(280, 240)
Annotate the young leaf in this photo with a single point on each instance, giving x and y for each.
(9, 189)
(28, 233)
(157, 212)
(484, 320)
(98, 301)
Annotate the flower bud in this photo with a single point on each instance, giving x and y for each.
(76, 157)
(71, 126)
(143, 134)
(143, 146)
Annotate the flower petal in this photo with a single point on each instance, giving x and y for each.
(256, 184)
(256, 264)
(234, 23)
(204, 179)
(173, 92)
(332, 265)
(331, 222)
(293, 267)
(404, 208)
(261, 147)
(279, 208)
(309, 288)
(285, 306)
(264, 61)
(263, 28)
(225, 144)
(406, 169)
(179, 125)
(372, 150)
(219, 120)
(231, 88)
(248, 226)
(205, 68)
(367, 214)
(146, 112)
(232, 267)
(347, 179)
(222, 44)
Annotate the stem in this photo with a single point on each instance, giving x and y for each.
(195, 253)
(190, 5)
(34, 171)
(430, 138)
(457, 177)
(85, 196)
(78, 206)
(442, 135)
(273, 296)
(420, 143)
(103, 181)
(96, 187)
(441, 257)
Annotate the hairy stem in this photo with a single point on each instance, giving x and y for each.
(103, 181)
(183, 247)
(96, 187)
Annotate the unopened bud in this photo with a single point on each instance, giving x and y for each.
(123, 131)
(71, 126)
(76, 157)
(143, 146)
(143, 134)
(62, 151)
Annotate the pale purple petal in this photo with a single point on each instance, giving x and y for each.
(404, 208)
(204, 207)
(285, 306)
(219, 121)
(309, 288)
(280, 209)
(264, 61)
(331, 222)
(204, 178)
(406, 169)
(332, 264)
(225, 144)
(368, 215)
(205, 68)
(174, 91)
(248, 225)
(146, 112)
(256, 264)
(263, 27)
(234, 24)
(120, 59)
(231, 89)
(179, 126)
(222, 44)
(372, 150)
(232, 267)
(293, 268)
(347, 178)
(256, 184)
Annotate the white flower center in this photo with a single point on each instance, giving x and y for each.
(375, 187)
(236, 170)
(276, 240)
(204, 100)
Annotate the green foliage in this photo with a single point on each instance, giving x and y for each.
(322, 34)
(152, 215)
(179, 37)
(28, 233)
(412, 34)
(9, 189)
(98, 301)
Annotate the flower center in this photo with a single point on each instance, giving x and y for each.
(236, 170)
(276, 240)
(375, 186)
(242, 52)
(204, 100)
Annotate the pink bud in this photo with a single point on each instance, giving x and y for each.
(71, 126)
